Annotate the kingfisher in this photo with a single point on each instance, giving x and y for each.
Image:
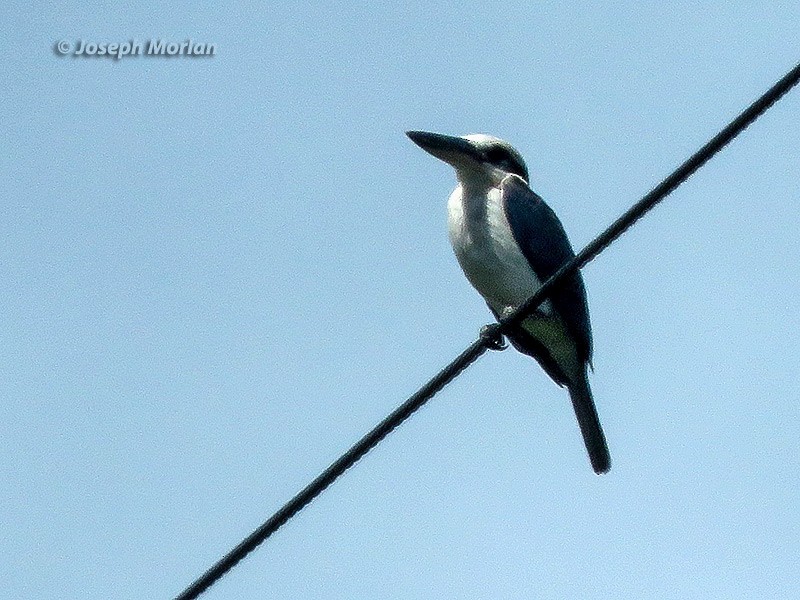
(508, 241)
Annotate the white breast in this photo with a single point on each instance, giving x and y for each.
(486, 250)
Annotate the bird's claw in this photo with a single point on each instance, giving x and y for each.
(492, 337)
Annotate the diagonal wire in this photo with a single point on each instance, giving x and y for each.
(490, 339)
(657, 194)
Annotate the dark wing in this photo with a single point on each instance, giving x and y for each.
(545, 245)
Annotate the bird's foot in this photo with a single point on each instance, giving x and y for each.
(492, 337)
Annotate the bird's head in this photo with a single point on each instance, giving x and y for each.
(474, 155)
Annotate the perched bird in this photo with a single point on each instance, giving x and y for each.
(508, 242)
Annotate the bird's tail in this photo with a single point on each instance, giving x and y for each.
(589, 422)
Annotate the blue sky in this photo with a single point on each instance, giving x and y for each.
(220, 272)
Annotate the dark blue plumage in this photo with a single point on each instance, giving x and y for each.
(544, 243)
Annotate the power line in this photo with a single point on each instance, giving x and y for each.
(490, 337)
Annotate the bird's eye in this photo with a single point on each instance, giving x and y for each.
(496, 155)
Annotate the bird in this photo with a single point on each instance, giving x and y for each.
(508, 241)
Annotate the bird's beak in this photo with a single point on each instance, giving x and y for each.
(451, 149)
